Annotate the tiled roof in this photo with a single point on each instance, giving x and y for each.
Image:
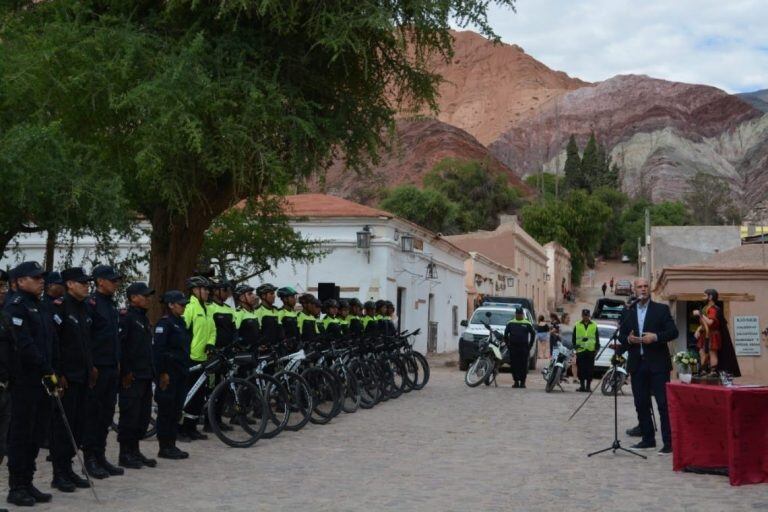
(322, 205)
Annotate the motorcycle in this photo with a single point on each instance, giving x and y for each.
(490, 355)
(558, 365)
(612, 383)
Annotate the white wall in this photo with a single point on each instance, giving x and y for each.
(389, 269)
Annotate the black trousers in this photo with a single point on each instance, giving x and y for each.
(586, 363)
(645, 384)
(100, 410)
(135, 411)
(5, 420)
(74, 401)
(30, 420)
(518, 360)
(194, 409)
(170, 403)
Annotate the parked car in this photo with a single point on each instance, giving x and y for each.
(491, 300)
(608, 309)
(501, 314)
(624, 258)
(623, 287)
(605, 329)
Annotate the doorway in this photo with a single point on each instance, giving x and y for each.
(431, 325)
(399, 308)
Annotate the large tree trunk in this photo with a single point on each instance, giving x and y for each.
(175, 246)
(50, 250)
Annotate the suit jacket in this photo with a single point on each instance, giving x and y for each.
(658, 320)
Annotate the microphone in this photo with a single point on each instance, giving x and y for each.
(633, 302)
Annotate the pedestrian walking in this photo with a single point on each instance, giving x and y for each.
(136, 374)
(33, 339)
(604, 288)
(105, 351)
(171, 353)
(519, 336)
(586, 341)
(611, 284)
(74, 366)
(542, 336)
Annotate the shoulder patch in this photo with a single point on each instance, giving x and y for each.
(57, 319)
(17, 299)
(92, 301)
(159, 329)
(18, 322)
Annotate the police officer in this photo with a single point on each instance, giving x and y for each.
(246, 323)
(389, 325)
(353, 320)
(6, 367)
(223, 313)
(54, 287)
(519, 336)
(330, 324)
(370, 324)
(381, 309)
(268, 316)
(287, 316)
(198, 318)
(34, 339)
(76, 372)
(105, 350)
(170, 350)
(307, 319)
(136, 373)
(586, 342)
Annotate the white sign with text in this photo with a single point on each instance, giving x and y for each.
(746, 335)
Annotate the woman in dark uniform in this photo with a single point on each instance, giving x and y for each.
(171, 352)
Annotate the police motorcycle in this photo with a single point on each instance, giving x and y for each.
(490, 355)
(561, 358)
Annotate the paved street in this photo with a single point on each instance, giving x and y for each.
(445, 448)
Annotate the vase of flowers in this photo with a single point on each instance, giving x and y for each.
(686, 363)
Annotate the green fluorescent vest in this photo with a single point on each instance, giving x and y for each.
(582, 332)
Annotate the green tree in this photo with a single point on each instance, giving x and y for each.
(548, 185)
(480, 193)
(574, 178)
(427, 207)
(709, 200)
(577, 222)
(194, 106)
(249, 239)
(590, 165)
(617, 201)
(668, 213)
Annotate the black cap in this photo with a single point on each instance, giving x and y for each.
(174, 297)
(3, 275)
(105, 272)
(27, 269)
(75, 274)
(53, 278)
(139, 288)
(586, 312)
(519, 311)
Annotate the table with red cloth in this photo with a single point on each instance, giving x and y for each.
(717, 427)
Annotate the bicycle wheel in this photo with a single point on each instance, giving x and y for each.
(325, 394)
(300, 399)
(352, 395)
(278, 403)
(411, 372)
(370, 394)
(478, 371)
(423, 370)
(397, 376)
(237, 401)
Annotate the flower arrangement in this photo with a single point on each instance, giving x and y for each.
(686, 363)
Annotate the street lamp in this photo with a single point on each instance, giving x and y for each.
(431, 270)
(364, 238)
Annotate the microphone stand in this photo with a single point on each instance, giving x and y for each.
(616, 445)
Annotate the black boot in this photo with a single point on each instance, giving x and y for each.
(37, 494)
(150, 463)
(127, 459)
(522, 383)
(80, 482)
(110, 468)
(61, 480)
(93, 467)
(18, 494)
(168, 450)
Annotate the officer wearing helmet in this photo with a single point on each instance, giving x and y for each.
(288, 317)
(388, 324)
(307, 319)
(198, 318)
(331, 325)
(223, 313)
(245, 318)
(370, 325)
(353, 320)
(268, 316)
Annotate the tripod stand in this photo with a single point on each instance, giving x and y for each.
(616, 445)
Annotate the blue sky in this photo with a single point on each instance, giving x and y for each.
(721, 43)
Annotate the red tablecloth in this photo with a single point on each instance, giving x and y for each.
(717, 426)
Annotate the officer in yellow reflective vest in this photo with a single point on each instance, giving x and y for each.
(246, 323)
(519, 336)
(586, 341)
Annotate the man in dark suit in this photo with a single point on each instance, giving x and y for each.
(647, 328)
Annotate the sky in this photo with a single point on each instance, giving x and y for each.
(723, 43)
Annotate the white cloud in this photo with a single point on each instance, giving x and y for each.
(724, 44)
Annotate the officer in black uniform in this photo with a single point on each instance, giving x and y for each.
(223, 313)
(390, 328)
(519, 336)
(55, 288)
(171, 355)
(288, 315)
(34, 340)
(269, 317)
(105, 350)
(245, 318)
(75, 370)
(355, 325)
(136, 373)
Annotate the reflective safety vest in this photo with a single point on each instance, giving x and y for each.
(589, 332)
(224, 319)
(199, 321)
(247, 326)
(289, 321)
(308, 327)
(269, 322)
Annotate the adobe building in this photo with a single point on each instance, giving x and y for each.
(740, 276)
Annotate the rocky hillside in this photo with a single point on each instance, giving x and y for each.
(758, 99)
(419, 144)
